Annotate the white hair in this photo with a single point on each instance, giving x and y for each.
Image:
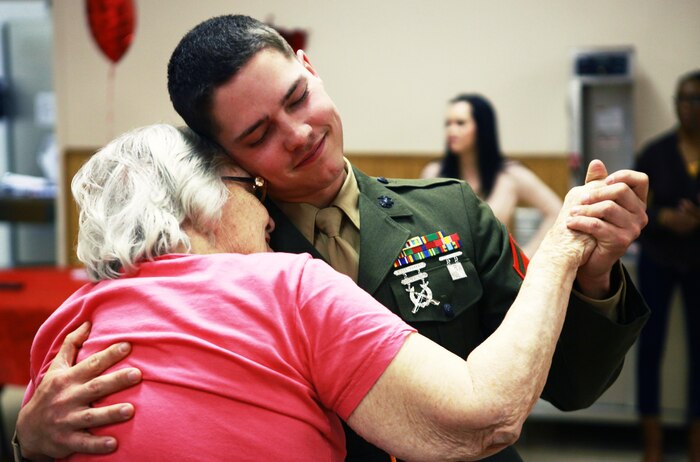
(135, 193)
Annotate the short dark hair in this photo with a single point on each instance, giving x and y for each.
(208, 56)
(687, 77)
(488, 147)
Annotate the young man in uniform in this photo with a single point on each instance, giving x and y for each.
(429, 250)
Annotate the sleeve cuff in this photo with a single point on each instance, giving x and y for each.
(607, 306)
(16, 450)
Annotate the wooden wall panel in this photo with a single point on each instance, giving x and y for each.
(552, 169)
(391, 165)
(74, 159)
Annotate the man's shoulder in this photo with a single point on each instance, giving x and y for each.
(415, 189)
(421, 183)
(417, 193)
(398, 183)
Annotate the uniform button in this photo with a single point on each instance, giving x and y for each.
(382, 180)
(385, 201)
(447, 308)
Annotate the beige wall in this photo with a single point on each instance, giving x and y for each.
(391, 65)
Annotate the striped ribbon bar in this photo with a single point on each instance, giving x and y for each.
(421, 247)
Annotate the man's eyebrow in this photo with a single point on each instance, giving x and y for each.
(251, 129)
(283, 101)
(291, 90)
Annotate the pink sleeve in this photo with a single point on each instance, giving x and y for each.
(350, 337)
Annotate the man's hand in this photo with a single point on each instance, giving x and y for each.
(55, 422)
(614, 213)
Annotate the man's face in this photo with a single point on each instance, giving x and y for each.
(688, 105)
(276, 121)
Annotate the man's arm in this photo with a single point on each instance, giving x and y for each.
(583, 369)
(54, 423)
(614, 213)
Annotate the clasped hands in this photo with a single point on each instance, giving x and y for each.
(612, 210)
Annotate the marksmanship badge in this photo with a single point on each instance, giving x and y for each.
(422, 298)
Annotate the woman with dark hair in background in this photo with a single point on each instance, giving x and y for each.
(670, 257)
(473, 154)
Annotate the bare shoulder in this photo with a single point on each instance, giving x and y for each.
(531, 190)
(431, 170)
(511, 174)
(522, 176)
(516, 170)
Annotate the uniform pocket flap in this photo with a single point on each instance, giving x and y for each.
(437, 289)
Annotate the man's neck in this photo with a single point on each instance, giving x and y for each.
(327, 195)
(322, 197)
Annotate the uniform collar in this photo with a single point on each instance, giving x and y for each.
(303, 215)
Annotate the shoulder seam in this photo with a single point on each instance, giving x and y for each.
(419, 182)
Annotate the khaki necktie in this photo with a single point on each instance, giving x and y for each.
(341, 255)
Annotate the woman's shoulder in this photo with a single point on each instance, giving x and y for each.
(512, 165)
(515, 169)
(511, 169)
(530, 188)
(431, 169)
(523, 180)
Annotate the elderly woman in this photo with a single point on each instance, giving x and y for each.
(252, 355)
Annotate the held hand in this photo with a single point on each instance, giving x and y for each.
(54, 423)
(614, 213)
(564, 241)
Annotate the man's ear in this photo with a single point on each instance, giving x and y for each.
(304, 60)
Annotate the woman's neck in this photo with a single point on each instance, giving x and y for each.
(468, 160)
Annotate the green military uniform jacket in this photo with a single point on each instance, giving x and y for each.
(591, 348)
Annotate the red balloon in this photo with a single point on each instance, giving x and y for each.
(112, 25)
(296, 38)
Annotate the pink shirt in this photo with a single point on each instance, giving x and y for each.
(244, 357)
